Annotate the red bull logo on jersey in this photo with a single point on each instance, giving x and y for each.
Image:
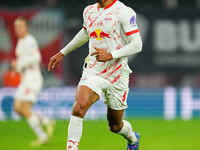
(98, 34)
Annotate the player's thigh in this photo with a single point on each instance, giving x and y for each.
(85, 97)
(27, 106)
(17, 106)
(26, 109)
(115, 117)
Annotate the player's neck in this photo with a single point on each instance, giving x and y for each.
(24, 35)
(105, 3)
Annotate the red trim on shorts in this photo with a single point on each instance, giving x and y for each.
(108, 6)
(115, 79)
(109, 67)
(104, 71)
(124, 97)
(94, 64)
(116, 69)
(27, 91)
(132, 32)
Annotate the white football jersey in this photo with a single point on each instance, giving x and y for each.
(109, 28)
(28, 58)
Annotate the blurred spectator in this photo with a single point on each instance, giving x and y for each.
(11, 78)
(198, 3)
(48, 3)
(170, 4)
(51, 3)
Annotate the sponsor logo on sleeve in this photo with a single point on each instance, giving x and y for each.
(133, 20)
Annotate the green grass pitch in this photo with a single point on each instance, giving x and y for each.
(156, 134)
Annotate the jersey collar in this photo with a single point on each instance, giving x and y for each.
(110, 5)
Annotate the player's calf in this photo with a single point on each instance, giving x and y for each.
(85, 97)
(115, 128)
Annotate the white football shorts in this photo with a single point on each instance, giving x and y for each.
(29, 88)
(115, 95)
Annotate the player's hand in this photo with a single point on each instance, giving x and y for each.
(14, 63)
(102, 55)
(55, 60)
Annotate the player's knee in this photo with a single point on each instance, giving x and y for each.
(17, 108)
(115, 128)
(79, 110)
(23, 113)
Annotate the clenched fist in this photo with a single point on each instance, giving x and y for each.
(55, 60)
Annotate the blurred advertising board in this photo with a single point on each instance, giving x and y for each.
(44, 24)
(171, 40)
(169, 103)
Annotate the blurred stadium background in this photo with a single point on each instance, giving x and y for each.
(164, 100)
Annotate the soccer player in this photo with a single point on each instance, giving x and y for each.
(110, 26)
(28, 64)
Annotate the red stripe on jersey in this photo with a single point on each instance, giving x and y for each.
(93, 21)
(84, 28)
(108, 6)
(87, 9)
(124, 97)
(115, 79)
(132, 32)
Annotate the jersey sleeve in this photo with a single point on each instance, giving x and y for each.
(84, 18)
(84, 24)
(79, 39)
(130, 29)
(127, 18)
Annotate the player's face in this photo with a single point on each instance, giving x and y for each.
(20, 28)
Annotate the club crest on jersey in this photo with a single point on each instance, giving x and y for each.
(98, 34)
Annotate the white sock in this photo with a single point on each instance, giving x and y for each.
(44, 120)
(34, 122)
(74, 133)
(128, 133)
